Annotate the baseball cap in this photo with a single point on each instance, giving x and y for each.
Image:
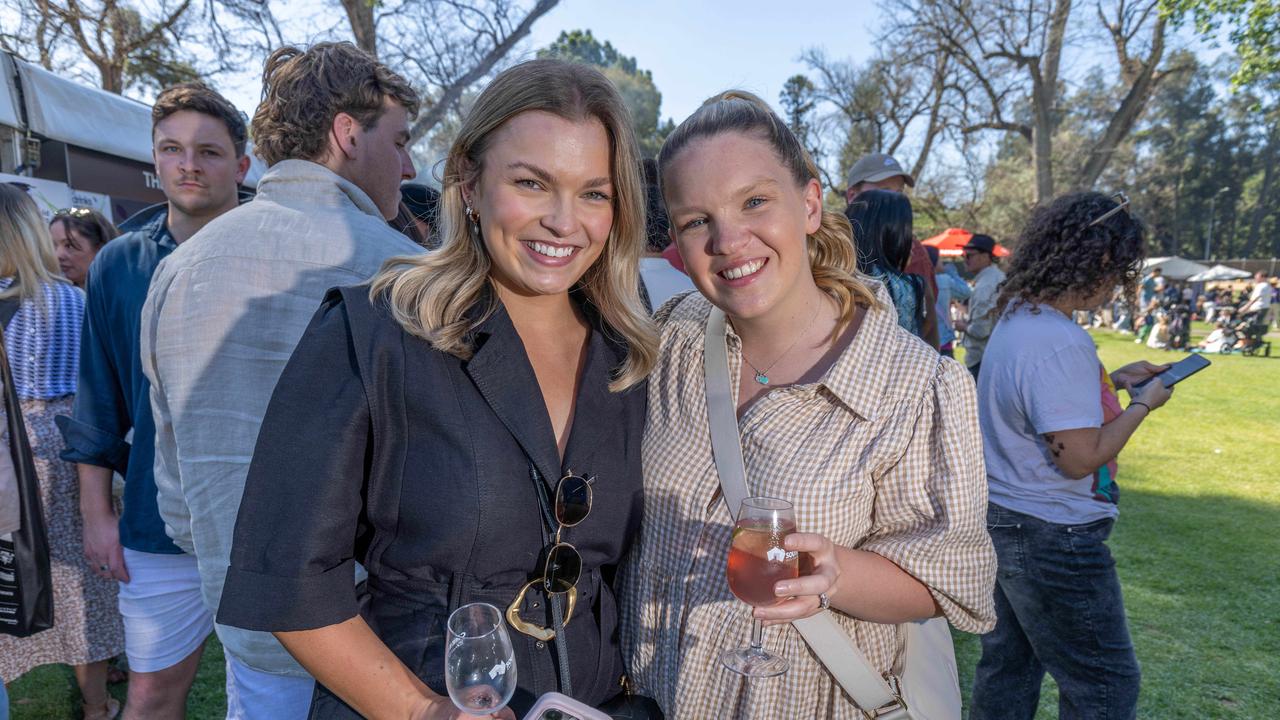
(983, 243)
(876, 167)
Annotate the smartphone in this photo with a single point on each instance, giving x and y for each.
(554, 706)
(1176, 373)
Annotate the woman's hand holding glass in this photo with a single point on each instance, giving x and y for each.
(442, 708)
(820, 575)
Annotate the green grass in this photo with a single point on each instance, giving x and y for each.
(1197, 546)
(50, 692)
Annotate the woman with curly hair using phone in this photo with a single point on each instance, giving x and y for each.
(1052, 426)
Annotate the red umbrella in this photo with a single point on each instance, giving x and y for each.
(952, 241)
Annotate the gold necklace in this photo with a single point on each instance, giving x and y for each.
(762, 376)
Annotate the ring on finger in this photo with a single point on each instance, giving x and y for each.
(824, 602)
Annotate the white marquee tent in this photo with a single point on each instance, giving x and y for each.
(1174, 268)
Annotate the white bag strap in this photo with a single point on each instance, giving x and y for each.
(825, 636)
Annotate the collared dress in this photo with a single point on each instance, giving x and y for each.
(882, 454)
(42, 342)
(379, 449)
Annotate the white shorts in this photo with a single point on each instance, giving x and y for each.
(256, 695)
(165, 619)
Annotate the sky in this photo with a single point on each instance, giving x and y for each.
(694, 48)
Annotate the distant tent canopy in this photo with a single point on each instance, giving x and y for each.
(952, 241)
(1219, 272)
(1174, 268)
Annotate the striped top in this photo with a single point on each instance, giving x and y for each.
(882, 454)
(43, 341)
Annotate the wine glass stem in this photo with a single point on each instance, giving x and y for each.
(757, 637)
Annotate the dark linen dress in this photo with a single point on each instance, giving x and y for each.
(380, 450)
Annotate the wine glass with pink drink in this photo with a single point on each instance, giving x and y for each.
(757, 560)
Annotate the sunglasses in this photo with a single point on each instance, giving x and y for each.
(563, 566)
(1122, 204)
(74, 212)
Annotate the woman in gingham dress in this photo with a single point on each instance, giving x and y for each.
(869, 432)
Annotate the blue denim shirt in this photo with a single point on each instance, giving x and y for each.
(113, 395)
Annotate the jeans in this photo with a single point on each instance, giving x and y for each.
(1058, 609)
(256, 695)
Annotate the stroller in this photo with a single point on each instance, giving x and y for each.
(1180, 326)
(1247, 331)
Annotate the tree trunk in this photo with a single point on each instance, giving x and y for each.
(1131, 108)
(1044, 95)
(360, 14)
(1042, 144)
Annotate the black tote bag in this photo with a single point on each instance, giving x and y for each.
(26, 586)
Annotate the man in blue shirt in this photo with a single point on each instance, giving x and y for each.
(198, 141)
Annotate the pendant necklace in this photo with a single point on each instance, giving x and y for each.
(762, 376)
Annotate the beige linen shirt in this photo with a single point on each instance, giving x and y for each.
(882, 454)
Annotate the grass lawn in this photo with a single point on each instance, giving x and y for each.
(1197, 544)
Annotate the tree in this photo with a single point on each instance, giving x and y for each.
(636, 86)
(443, 47)
(1009, 52)
(1254, 30)
(885, 104)
(130, 44)
(798, 99)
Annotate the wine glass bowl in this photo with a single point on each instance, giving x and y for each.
(479, 661)
(757, 561)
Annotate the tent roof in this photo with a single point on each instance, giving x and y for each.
(1219, 272)
(1174, 268)
(63, 109)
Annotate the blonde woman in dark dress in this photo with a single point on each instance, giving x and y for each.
(418, 416)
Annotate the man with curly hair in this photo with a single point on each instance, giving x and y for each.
(225, 311)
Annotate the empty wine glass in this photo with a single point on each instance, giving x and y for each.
(757, 560)
(479, 663)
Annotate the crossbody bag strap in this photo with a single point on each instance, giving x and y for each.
(824, 635)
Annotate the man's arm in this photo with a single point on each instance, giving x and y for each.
(101, 524)
(94, 434)
(981, 312)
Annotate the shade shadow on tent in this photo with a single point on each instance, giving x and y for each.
(1219, 272)
(951, 242)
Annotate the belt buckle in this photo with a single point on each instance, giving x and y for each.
(893, 707)
(533, 630)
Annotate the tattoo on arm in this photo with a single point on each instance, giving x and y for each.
(1055, 448)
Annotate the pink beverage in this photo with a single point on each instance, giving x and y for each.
(757, 561)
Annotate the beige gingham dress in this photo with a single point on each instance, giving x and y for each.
(883, 454)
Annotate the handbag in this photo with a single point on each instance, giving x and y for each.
(26, 586)
(924, 684)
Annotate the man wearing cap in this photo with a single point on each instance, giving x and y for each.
(979, 259)
(878, 171)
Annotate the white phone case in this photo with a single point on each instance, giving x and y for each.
(554, 706)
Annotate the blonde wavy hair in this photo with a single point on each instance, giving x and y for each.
(26, 250)
(431, 295)
(832, 257)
